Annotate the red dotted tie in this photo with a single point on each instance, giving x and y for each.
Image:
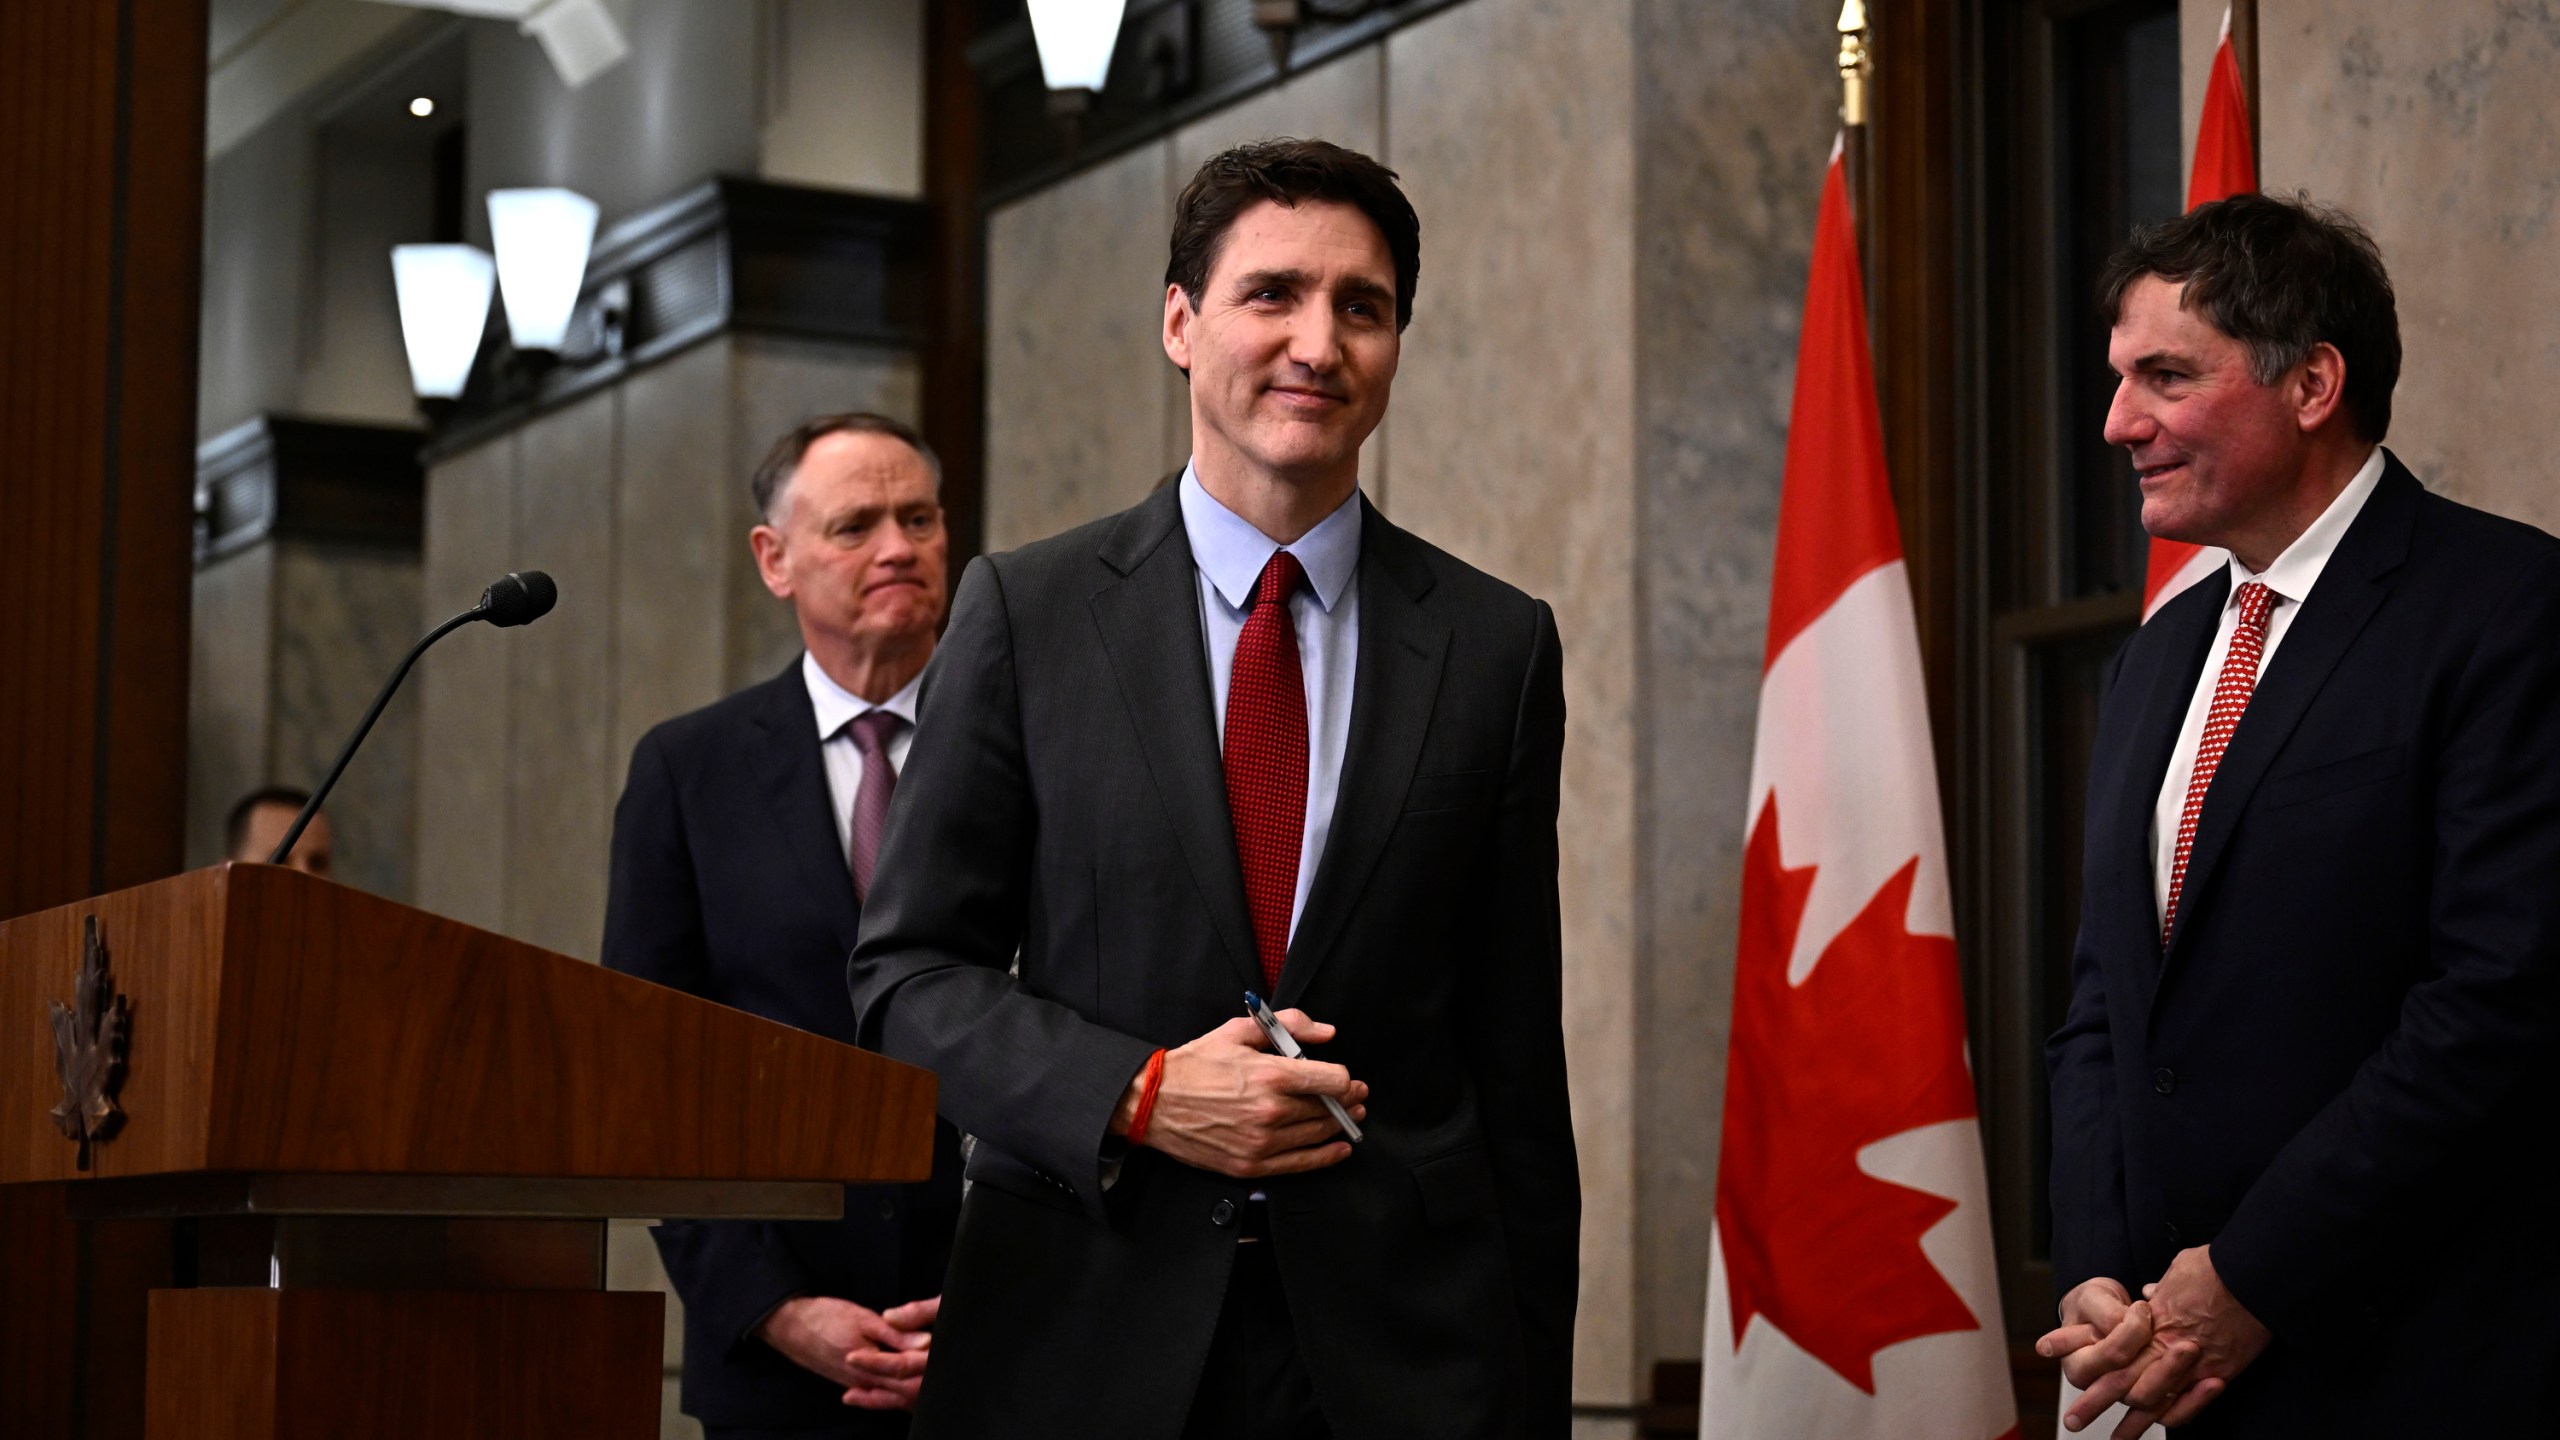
(1266, 757)
(2230, 696)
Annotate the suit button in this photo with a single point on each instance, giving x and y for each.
(2170, 1229)
(1223, 1213)
(888, 1209)
(2164, 1080)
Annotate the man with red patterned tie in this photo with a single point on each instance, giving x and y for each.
(2299, 1096)
(1246, 737)
(743, 851)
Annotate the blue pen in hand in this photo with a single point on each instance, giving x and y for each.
(1287, 1044)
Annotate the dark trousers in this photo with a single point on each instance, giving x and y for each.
(1254, 1386)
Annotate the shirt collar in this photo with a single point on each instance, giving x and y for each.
(837, 706)
(2292, 574)
(1231, 552)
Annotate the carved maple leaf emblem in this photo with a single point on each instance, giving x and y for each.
(88, 1049)
(1870, 1046)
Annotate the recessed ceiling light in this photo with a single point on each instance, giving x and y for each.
(422, 107)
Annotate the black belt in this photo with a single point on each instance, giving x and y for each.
(1253, 1222)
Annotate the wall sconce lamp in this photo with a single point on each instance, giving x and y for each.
(1076, 38)
(542, 237)
(1281, 20)
(444, 307)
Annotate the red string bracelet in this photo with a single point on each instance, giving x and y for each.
(1147, 1099)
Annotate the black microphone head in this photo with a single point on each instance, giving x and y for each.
(519, 598)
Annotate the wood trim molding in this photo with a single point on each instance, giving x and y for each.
(299, 479)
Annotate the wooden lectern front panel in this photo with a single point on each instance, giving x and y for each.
(281, 1024)
(320, 1364)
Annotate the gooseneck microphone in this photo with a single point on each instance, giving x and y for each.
(518, 598)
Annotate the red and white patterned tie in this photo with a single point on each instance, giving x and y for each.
(1266, 760)
(2230, 696)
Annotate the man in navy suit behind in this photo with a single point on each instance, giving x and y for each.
(741, 852)
(2303, 1094)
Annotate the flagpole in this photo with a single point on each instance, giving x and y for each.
(2244, 49)
(1857, 71)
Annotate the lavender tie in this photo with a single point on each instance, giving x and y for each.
(871, 731)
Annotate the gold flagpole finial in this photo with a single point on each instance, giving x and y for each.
(1853, 62)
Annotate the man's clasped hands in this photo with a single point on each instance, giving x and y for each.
(2166, 1355)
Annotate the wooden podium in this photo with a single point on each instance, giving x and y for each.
(391, 1143)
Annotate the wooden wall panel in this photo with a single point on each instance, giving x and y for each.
(101, 181)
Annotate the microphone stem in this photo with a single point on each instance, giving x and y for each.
(311, 807)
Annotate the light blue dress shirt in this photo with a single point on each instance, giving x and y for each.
(1229, 553)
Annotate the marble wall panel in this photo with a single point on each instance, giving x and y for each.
(1076, 395)
(2432, 124)
(675, 541)
(228, 688)
(344, 617)
(562, 773)
(1735, 126)
(1514, 448)
(466, 690)
(777, 384)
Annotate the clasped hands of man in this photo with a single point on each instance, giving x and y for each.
(2166, 1355)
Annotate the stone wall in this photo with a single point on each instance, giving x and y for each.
(2431, 124)
(1617, 204)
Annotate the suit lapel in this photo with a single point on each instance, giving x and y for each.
(1396, 682)
(1150, 624)
(792, 776)
(2351, 586)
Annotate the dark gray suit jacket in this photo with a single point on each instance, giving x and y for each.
(1065, 800)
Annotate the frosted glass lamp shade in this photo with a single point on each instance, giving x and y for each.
(1075, 39)
(542, 237)
(444, 306)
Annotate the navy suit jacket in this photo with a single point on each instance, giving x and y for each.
(729, 883)
(2340, 1072)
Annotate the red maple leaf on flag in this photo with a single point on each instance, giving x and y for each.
(1870, 1046)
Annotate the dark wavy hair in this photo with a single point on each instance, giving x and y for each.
(1290, 172)
(2280, 276)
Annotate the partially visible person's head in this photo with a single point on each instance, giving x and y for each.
(850, 531)
(1288, 287)
(259, 819)
(2255, 337)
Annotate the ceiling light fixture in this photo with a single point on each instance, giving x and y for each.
(444, 308)
(422, 107)
(542, 237)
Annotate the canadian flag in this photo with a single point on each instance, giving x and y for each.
(2224, 166)
(1850, 1289)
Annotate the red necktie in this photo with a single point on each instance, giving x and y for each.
(2230, 696)
(1266, 745)
(871, 731)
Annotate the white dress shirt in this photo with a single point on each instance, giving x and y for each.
(837, 707)
(2290, 576)
(1229, 554)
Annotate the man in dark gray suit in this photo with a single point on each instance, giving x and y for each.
(1247, 736)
